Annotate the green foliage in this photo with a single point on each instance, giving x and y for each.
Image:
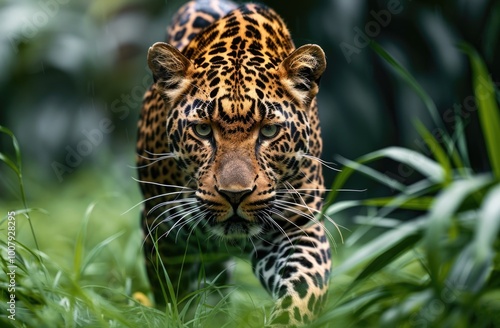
(49, 295)
(440, 269)
(489, 113)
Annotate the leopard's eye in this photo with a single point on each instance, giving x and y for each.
(203, 130)
(269, 131)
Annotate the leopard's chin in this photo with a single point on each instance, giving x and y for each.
(236, 227)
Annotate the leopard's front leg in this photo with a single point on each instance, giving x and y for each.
(295, 269)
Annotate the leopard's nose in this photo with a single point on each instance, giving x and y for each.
(235, 197)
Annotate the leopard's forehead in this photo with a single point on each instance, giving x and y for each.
(251, 29)
(235, 80)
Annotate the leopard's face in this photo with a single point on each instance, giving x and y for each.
(238, 125)
(238, 153)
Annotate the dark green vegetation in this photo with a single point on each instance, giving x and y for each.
(420, 245)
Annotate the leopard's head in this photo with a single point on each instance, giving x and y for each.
(238, 127)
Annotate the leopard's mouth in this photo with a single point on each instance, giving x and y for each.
(236, 227)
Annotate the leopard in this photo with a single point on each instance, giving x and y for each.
(228, 159)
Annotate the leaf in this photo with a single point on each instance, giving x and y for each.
(415, 160)
(98, 248)
(10, 163)
(15, 144)
(441, 214)
(489, 114)
(18, 170)
(488, 224)
(419, 203)
(436, 149)
(350, 306)
(473, 266)
(403, 309)
(382, 178)
(410, 80)
(469, 273)
(340, 206)
(386, 257)
(78, 259)
(379, 245)
(461, 157)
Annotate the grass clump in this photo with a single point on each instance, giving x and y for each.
(440, 268)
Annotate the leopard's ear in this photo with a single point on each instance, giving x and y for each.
(302, 70)
(171, 70)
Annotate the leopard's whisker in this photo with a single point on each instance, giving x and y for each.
(158, 154)
(170, 202)
(183, 215)
(162, 184)
(201, 214)
(313, 218)
(290, 193)
(175, 225)
(281, 214)
(153, 226)
(156, 196)
(310, 217)
(322, 162)
(194, 218)
(188, 207)
(286, 206)
(269, 219)
(301, 199)
(153, 161)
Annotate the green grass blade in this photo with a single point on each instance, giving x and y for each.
(385, 258)
(24, 211)
(436, 149)
(415, 160)
(488, 224)
(340, 206)
(397, 315)
(78, 257)
(427, 167)
(428, 102)
(460, 140)
(349, 307)
(97, 249)
(381, 244)
(373, 174)
(418, 203)
(15, 144)
(469, 273)
(410, 80)
(489, 114)
(441, 214)
(10, 163)
(17, 167)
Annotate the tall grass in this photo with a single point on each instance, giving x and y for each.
(440, 269)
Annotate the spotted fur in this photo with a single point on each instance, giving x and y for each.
(228, 149)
